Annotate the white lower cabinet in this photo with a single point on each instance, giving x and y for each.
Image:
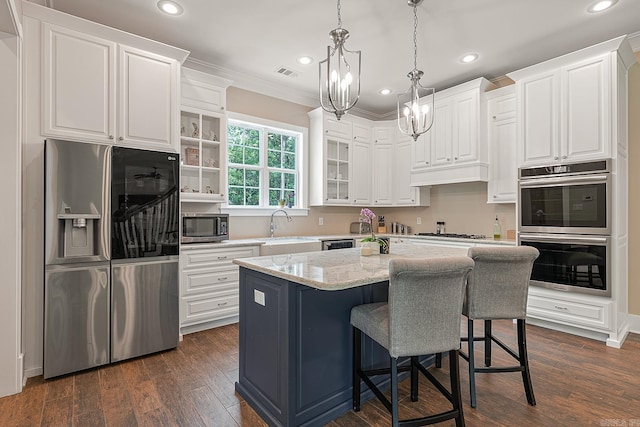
(592, 312)
(209, 286)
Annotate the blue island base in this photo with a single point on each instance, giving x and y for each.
(295, 349)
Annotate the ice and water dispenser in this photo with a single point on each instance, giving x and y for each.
(78, 231)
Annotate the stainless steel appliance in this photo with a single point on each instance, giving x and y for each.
(328, 245)
(204, 227)
(565, 212)
(111, 278)
(360, 228)
(571, 198)
(571, 263)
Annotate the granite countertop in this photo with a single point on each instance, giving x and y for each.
(341, 269)
(263, 240)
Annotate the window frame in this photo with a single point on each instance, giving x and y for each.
(301, 171)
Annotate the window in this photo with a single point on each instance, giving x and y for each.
(264, 165)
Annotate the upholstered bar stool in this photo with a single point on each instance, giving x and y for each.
(497, 289)
(421, 317)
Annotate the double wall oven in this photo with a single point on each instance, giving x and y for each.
(565, 212)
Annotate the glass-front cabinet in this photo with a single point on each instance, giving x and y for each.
(202, 156)
(337, 170)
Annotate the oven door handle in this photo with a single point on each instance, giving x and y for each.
(555, 238)
(563, 181)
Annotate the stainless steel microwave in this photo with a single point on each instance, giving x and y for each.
(571, 198)
(204, 227)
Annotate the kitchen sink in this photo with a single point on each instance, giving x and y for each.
(289, 245)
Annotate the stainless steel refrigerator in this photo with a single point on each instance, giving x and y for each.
(111, 254)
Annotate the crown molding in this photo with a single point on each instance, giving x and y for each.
(253, 83)
(634, 41)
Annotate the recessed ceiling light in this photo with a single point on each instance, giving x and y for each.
(305, 60)
(170, 7)
(469, 57)
(601, 5)
(385, 91)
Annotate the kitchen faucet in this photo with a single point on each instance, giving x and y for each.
(272, 227)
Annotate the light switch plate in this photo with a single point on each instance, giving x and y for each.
(258, 297)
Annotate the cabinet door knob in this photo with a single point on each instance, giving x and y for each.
(564, 157)
(121, 138)
(555, 158)
(222, 108)
(110, 136)
(494, 196)
(426, 163)
(455, 158)
(494, 117)
(448, 160)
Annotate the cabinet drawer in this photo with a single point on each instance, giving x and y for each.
(205, 308)
(215, 257)
(581, 313)
(210, 280)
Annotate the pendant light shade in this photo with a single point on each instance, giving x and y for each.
(339, 82)
(416, 105)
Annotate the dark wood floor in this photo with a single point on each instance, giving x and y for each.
(577, 382)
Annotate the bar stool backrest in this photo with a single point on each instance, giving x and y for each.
(498, 286)
(425, 301)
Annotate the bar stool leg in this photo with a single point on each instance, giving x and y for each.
(524, 362)
(487, 343)
(357, 361)
(394, 392)
(472, 368)
(438, 360)
(454, 374)
(414, 378)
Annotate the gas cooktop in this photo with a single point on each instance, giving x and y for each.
(454, 235)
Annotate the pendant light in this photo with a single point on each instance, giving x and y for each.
(339, 74)
(416, 105)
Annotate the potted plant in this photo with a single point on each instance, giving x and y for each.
(375, 244)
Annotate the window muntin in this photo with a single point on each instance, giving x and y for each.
(262, 165)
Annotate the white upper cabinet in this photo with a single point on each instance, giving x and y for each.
(103, 85)
(383, 185)
(148, 99)
(79, 85)
(403, 193)
(339, 161)
(503, 172)
(455, 148)
(567, 106)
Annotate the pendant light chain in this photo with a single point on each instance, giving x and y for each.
(339, 16)
(415, 36)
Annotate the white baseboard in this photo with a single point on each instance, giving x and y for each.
(32, 372)
(634, 323)
(208, 325)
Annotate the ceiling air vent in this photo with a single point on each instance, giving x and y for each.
(286, 72)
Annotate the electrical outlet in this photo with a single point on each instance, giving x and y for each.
(258, 297)
(320, 221)
(418, 220)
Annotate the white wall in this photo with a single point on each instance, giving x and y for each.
(10, 250)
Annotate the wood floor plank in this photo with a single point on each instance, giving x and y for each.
(212, 412)
(577, 382)
(58, 412)
(245, 416)
(175, 400)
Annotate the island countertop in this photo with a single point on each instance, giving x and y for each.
(341, 269)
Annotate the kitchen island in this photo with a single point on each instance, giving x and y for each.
(295, 348)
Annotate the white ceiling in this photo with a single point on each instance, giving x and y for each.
(248, 40)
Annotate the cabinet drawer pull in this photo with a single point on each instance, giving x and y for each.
(564, 157)
(222, 257)
(110, 136)
(561, 308)
(555, 158)
(220, 279)
(222, 303)
(121, 138)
